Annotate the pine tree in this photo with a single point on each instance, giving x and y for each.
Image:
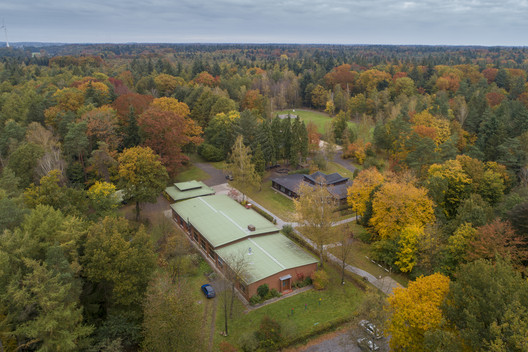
(267, 142)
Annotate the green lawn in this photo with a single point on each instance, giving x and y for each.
(332, 167)
(321, 120)
(191, 173)
(273, 201)
(337, 302)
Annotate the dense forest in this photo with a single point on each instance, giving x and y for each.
(439, 135)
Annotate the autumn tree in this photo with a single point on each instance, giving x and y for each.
(316, 212)
(165, 84)
(141, 175)
(498, 240)
(123, 103)
(392, 212)
(102, 126)
(415, 310)
(342, 75)
(168, 131)
(102, 162)
(245, 178)
(361, 190)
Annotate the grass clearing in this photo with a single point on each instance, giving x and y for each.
(337, 302)
(320, 119)
(275, 202)
(332, 167)
(191, 173)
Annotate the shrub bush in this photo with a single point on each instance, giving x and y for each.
(263, 290)
(274, 293)
(248, 342)
(263, 213)
(269, 334)
(210, 153)
(320, 279)
(307, 281)
(255, 299)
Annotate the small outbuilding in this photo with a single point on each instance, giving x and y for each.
(187, 190)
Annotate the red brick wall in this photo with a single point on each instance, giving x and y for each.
(274, 282)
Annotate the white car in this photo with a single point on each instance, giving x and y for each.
(367, 345)
(371, 329)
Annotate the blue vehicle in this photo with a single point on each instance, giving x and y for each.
(208, 291)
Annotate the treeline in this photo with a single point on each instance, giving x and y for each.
(445, 126)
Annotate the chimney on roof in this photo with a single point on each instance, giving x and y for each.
(251, 227)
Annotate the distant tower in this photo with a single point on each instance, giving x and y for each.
(5, 31)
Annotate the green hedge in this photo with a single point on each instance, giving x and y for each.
(263, 213)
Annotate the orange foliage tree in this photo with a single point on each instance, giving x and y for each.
(205, 78)
(341, 75)
(498, 239)
(123, 103)
(314, 137)
(102, 126)
(494, 98)
(167, 132)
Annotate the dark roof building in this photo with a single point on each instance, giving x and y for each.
(336, 184)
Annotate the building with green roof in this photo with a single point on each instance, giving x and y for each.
(187, 190)
(227, 232)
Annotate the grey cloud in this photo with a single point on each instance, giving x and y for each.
(302, 21)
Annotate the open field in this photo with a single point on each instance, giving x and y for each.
(321, 120)
(338, 302)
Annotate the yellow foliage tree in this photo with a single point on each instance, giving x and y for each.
(454, 184)
(408, 244)
(103, 197)
(171, 104)
(441, 126)
(397, 205)
(69, 99)
(416, 310)
(359, 193)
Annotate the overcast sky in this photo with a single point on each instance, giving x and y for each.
(452, 22)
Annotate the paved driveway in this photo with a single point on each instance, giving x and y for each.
(216, 176)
